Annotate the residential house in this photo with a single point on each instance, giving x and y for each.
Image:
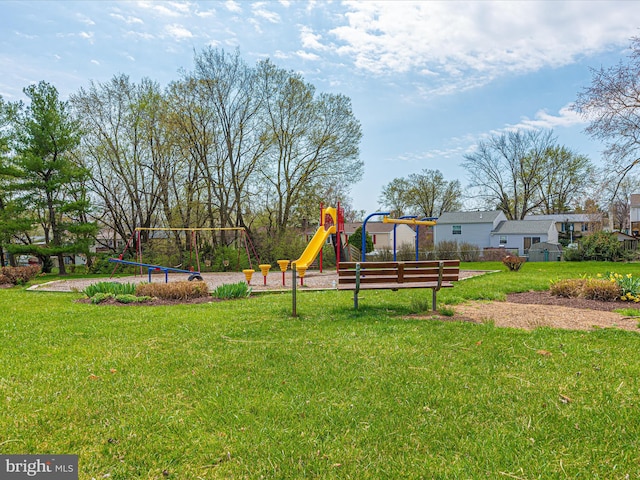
(467, 227)
(635, 214)
(520, 235)
(491, 229)
(572, 226)
(382, 234)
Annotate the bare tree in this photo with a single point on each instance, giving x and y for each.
(121, 148)
(425, 194)
(313, 143)
(564, 178)
(507, 170)
(611, 104)
(229, 87)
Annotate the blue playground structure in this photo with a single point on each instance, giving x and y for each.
(166, 270)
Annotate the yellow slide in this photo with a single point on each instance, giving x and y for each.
(315, 245)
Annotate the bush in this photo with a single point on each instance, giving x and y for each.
(102, 265)
(232, 290)
(355, 239)
(491, 254)
(567, 288)
(173, 291)
(603, 290)
(127, 298)
(469, 252)
(603, 246)
(447, 250)
(101, 297)
(113, 288)
(18, 275)
(589, 288)
(572, 255)
(513, 262)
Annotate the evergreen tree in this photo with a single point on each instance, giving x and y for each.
(49, 181)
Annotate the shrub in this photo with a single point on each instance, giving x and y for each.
(355, 239)
(603, 290)
(447, 250)
(469, 252)
(491, 254)
(589, 288)
(18, 275)
(567, 288)
(101, 297)
(382, 255)
(173, 291)
(128, 298)
(113, 288)
(101, 264)
(232, 290)
(406, 252)
(572, 255)
(603, 246)
(513, 262)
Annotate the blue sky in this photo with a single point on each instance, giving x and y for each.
(428, 80)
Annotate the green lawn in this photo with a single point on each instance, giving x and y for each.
(240, 389)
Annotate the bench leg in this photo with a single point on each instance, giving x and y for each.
(434, 293)
(355, 299)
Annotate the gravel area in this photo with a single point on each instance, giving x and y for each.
(312, 280)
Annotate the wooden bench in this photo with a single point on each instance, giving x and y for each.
(433, 274)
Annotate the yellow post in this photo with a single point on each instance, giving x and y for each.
(264, 268)
(301, 271)
(248, 273)
(283, 264)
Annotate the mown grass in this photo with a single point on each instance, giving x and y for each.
(243, 390)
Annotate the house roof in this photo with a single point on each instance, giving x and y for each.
(372, 227)
(468, 217)
(523, 227)
(567, 217)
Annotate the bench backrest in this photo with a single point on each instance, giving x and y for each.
(399, 272)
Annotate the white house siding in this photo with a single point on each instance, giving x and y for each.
(516, 231)
(382, 234)
(476, 227)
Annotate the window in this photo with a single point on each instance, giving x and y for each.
(528, 241)
(503, 239)
(585, 227)
(457, 230)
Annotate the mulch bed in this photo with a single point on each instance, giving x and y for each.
(545, 298)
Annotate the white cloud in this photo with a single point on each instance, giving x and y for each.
(307, 55)
(206, 13)
(95, 62)
(310, 39)
(86, 36)
(166, 9)
(471, 43)
(178, 32)
(542, 120)
(259, 10)
(233, 6)
(129, 20)
(84, 19)
(25, 35)
(142, 35)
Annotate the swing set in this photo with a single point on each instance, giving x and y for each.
(194, 267)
